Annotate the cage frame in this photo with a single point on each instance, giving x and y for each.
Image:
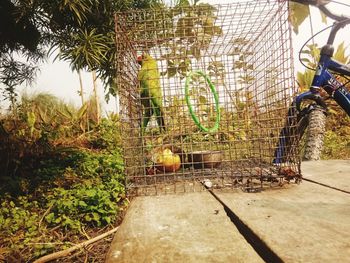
(249, 174)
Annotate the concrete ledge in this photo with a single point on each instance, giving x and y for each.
(300, 223)
(335, 173)
(192, 227)
(306, 222)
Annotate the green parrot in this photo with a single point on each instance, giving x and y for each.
(150, 91)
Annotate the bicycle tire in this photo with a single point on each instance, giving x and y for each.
(314, 136)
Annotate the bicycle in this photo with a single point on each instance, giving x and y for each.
(312, 117)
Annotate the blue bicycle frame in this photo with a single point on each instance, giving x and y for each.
(323, 79)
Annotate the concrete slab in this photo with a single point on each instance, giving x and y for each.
(192, 227)
(335, 173)
(303, 223)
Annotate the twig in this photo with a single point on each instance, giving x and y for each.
(46, 212)
(47, 243)
(77, 254)
(84, 232)
(86, 258)
(66, 252)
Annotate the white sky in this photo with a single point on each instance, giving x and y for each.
(58, 79)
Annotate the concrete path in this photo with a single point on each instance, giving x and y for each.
(298, 223)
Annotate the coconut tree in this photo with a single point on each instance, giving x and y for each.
(82, 31)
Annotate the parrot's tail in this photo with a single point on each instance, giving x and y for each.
(160, 120)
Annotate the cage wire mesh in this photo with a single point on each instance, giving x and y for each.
(216, 95)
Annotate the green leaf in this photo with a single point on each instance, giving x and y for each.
(182, 3)
(90, 192)
(323, 17)
(31, 118)
(298, 13)
(43, 116)
(96, 217)
(82, 111)
(218, 30)
(202, 100)
(305, 79)
(107, 219)
(50, 218)
(171, 72)
(340, 54)
(82, 204)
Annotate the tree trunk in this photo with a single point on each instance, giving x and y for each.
(81, 88)
(96, 97)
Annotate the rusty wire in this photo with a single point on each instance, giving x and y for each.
(245, 50)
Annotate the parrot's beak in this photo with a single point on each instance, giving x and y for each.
(139, 60)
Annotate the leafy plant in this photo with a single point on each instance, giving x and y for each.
(107, 135)
(49, 179)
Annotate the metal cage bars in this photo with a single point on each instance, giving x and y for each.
(245, 50)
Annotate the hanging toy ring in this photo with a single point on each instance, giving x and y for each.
(189, 105)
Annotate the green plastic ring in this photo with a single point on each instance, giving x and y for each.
(216, 98)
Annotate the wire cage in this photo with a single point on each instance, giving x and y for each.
(215, 96)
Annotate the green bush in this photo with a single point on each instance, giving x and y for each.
(95, 197)
(108, 134)
(71, 186)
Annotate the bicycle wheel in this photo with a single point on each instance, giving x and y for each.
(302, 134)
(313, 141)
